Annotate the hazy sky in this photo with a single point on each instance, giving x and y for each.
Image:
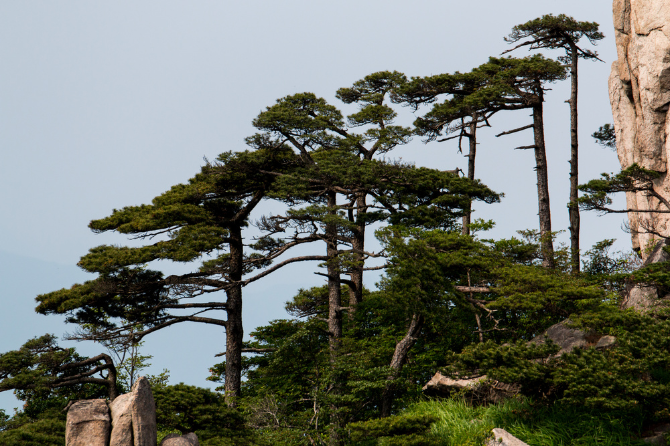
(108, 104)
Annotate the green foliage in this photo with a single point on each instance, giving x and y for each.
(132, 294)
(609, 270)
(605, 136)
(41, 420)
(632, 376)
(187, 409)
(632, 179)
(460, 424)
(33, 364)
(47, 431)
(401, 430)
(40, 366)
(500, 84)
(557, 32)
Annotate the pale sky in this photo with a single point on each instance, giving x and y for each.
(108, 104)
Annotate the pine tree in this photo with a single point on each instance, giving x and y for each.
(563, 32)
(500, 84)
(193, 221)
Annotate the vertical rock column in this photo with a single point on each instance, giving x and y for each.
(143, 413)
(639, 88)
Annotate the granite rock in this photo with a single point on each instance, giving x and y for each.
(88, 424)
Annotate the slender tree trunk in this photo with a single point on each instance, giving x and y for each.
(234, 329)
(334, 315)
(358, 245)
(472, 137)
(402, 349)
(573, 209)
(544, 210)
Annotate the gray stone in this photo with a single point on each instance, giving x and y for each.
(645, 297)
(143, 412)
(656, 434)
(640, 297)
(606, 342)
(122, 426)
(656, 440)
(503, 438)
(88, 424)
(567, 338)
(658, 254)
(178, 440)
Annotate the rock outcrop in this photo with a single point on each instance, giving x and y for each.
(122, 426)
(180, 440)
(644, 297)
(143, 413)
(88, 424)
(503, 438)
(129, 420)
(639, 88)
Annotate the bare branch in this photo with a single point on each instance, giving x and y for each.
(509, 132)
(472, 289)
(281, 264)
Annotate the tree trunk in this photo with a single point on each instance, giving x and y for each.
(334, 314)
(234, 329)
(472, 137)
(402, 349)
(573, 209)
(544, 211)
(358, 245)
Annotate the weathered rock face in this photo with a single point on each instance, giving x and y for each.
(132, 421)
(639, 88)
(122, 427)
(143, 413)
(88, 424)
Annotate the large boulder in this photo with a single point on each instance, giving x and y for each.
(503, 438)
(143, 414)
(180, 440)
(88, 424)
(567, 338)
(122, 426)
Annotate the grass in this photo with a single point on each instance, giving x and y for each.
(463, 425)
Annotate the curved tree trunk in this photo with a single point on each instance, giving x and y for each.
(402, 349)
